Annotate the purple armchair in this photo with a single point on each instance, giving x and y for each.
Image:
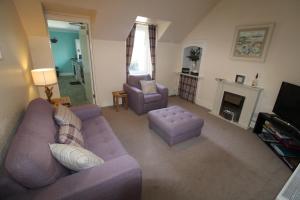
(140, 102)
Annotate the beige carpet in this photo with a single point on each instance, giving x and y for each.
(224, 163)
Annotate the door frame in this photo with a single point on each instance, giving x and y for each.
(49, 15)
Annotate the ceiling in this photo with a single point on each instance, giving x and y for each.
(113, 19)
(62, 25)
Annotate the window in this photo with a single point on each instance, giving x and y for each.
(141, 57)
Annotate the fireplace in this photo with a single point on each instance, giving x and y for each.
(231, 106)
(242, 108)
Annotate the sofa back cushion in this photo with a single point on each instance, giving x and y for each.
(134, 80)
(29, 160)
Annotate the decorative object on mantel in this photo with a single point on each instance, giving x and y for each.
(194, 56)
(240, 79)
(185, 70)
(251, 42)
(255, 81)
(194, 73)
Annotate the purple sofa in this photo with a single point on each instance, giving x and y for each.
(32, 173)
(142, 103)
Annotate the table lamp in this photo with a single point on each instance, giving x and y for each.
(45, 77)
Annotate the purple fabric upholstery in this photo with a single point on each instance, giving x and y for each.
(141, 103)
(86, 111)
(134, 80)
(99, 139)
(29, 160)
(118, 178)
(175, 124)
(149, 98)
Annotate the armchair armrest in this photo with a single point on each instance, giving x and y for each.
(119, 178)
(135, 98)
(86, 111)
(164, 93)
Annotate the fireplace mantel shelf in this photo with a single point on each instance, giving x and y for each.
(240, 85)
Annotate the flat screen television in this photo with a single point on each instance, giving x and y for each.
(287, 105)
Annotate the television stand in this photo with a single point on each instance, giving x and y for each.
(280, 136)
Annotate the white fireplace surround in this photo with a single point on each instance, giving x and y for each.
(251, 95)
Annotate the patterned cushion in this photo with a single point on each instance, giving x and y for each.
(68, 134)
(75, 158)
(148, 87)
(65, 116)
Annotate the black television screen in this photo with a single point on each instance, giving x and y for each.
(287, 105)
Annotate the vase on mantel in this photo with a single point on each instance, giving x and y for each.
(255, 81)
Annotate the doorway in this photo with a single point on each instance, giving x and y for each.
(70, 48)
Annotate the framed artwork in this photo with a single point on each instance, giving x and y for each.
(251, 42)
(240, 79)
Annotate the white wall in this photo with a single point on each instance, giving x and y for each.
(282, 61)
(32, 17)
(110, 67)
(16, 88)
(167, 57)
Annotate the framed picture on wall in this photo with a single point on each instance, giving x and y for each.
(251, 42)
(240, 78)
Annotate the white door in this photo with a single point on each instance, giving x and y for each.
(86, 63)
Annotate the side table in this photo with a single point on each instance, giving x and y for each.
(66, 101)
(116, 96)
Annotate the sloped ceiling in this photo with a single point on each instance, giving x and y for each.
(114, 18)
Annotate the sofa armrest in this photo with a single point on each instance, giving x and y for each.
(164, 93)
(86, 111)
(135, 98)
(119, 178)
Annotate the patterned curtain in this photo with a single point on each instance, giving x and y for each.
(152, 39)
(129, 48)
(187, 87)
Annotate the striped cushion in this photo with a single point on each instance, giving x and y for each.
(64, 116)
(75, 158)
(68, 134)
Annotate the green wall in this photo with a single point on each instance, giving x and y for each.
(64, 49)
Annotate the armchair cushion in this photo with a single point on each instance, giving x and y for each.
(149, 98)
(134, 80)
(148, 87)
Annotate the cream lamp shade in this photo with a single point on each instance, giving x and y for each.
(44, 76)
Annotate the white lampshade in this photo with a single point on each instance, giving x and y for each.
(44, 76)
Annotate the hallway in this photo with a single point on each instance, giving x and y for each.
(75, 92)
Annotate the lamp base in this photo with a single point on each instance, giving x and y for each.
(48, 92)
